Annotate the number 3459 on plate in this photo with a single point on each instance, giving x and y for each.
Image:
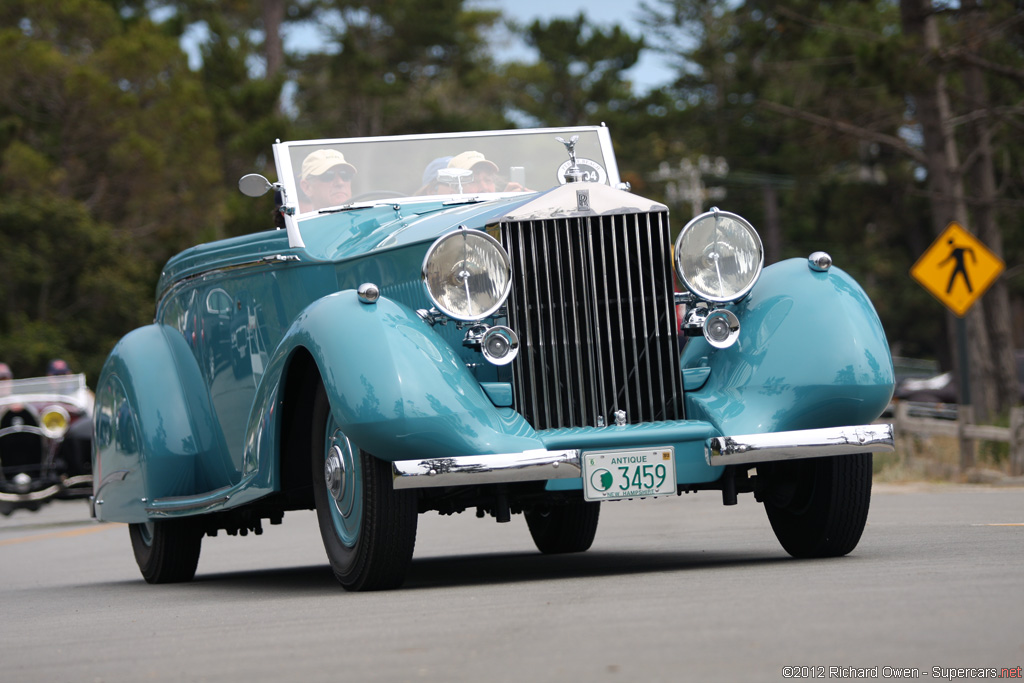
(631, 473)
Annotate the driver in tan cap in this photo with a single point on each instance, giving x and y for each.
(325, 179)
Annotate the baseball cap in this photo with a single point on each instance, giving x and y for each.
(323, 160)
(469, 160)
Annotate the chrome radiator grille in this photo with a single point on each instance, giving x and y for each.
(592, 302)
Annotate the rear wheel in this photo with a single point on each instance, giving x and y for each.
(568, 528)
(368, 528)
(818, 507)
(167, 551)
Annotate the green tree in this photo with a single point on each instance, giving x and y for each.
(242, 69)
(398, 66)
(103, 175)
(832, 98)
(578, 76)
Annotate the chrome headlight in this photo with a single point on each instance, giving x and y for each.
(55, 421)
(467, 274)
(719, 256)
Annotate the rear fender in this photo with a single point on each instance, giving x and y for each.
(811, 353)
(155, 433)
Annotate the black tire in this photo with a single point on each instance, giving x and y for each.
(368, 528)
(568, 528)
(819, 507)
(167, 551)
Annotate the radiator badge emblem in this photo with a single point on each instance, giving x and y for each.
(583, 200)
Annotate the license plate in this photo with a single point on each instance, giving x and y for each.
(631, 473)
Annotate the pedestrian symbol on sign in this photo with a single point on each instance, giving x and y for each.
(957, 253)
(957, 269)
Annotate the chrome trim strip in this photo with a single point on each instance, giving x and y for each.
(204, 501)
(79, 480)
(807, 443)
(24, 429)
(501, 468)
(182, 282)
(117, 475)
(44, 494)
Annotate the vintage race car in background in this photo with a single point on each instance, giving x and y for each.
(488, 322)
(45, 434)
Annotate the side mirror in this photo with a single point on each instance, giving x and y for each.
(254, 185)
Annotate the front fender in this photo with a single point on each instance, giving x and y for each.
(811, 353)
(397, 389)
(155, 435)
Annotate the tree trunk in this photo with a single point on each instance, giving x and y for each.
(273, 45)
(946, 192)
(996, 309)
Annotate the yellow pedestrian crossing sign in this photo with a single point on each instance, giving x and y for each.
(957, 269)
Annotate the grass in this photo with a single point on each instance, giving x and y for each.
(937, 459)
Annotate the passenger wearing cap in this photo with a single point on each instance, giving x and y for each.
(325, 179)
(432, 183)
(485, 172)
(482, 176)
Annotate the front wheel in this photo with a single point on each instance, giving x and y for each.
(568, 528)
(368, 528)
(167, 551)
(818, 507)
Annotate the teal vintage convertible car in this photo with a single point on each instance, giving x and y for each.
(491, 322)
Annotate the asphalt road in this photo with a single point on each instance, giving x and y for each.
(679, 589)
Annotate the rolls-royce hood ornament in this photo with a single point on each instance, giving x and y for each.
(573, 173)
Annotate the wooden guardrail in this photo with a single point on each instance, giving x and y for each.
(967, 432)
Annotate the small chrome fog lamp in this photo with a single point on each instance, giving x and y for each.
(721, 328)
(55, 421)
(500, 345)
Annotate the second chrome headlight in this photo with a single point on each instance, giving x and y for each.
(468, 274)
(55, 421)
(719, 256)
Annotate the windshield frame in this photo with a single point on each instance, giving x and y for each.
(372, 154)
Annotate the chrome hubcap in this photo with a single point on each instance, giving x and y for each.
(334, 472)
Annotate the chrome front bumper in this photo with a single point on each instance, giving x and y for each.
(541, 464)
(806, 443)
(503, 468)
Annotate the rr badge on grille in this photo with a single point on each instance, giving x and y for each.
(583, 200)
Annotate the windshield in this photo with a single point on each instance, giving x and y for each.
(320, 174)
(59, 387)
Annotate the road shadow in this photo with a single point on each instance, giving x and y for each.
(498, 568)
(487, 569)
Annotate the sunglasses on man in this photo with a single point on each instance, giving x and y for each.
(329, 176)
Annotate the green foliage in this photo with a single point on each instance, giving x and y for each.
(73, 294)
(103, 175)
(578, 77)
(841, 142)
(400, 66)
